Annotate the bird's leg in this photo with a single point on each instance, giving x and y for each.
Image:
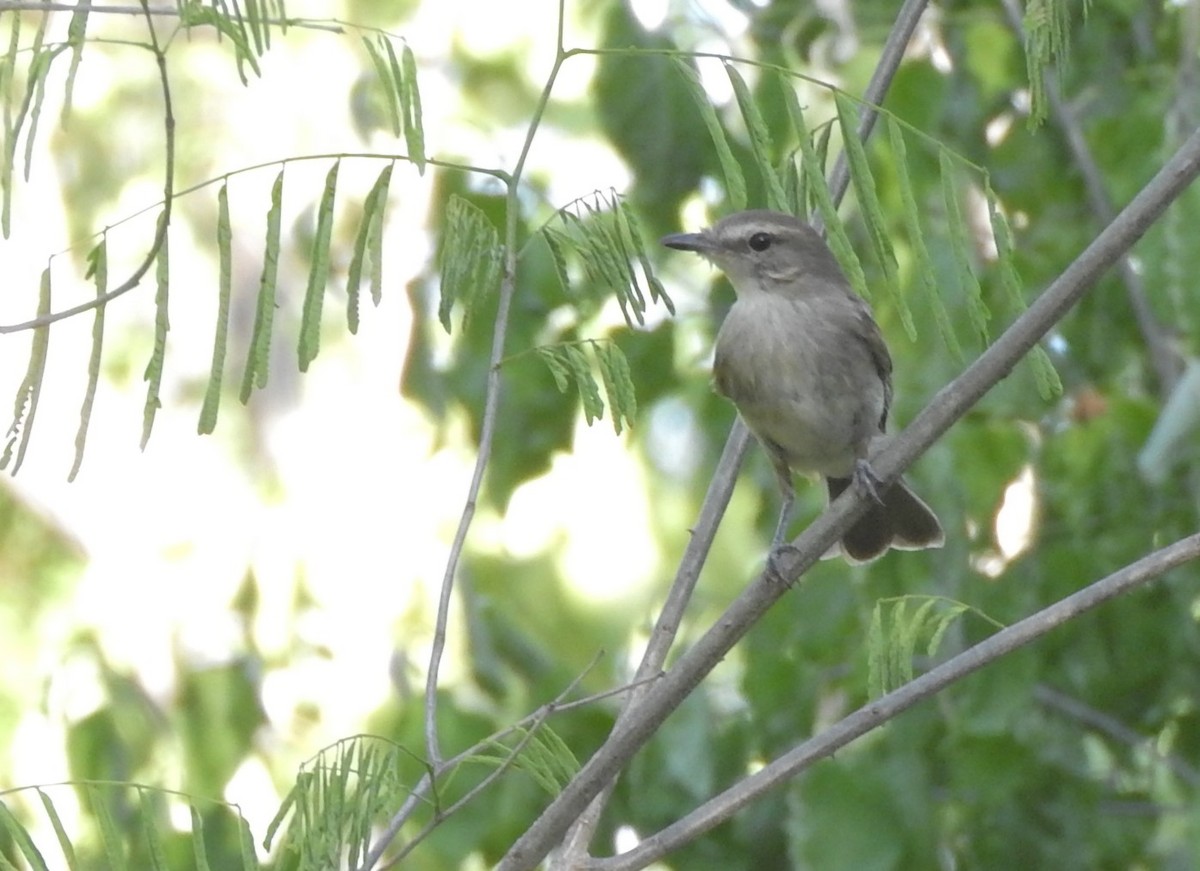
(783, 474)
(779, 546)
(866, 481)
(785, 517)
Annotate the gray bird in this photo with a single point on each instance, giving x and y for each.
(803, 360)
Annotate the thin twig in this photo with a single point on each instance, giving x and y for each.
(1167, 364)
(491, 406)
(875, 713)
(951, 403)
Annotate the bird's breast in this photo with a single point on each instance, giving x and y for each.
(802, 378)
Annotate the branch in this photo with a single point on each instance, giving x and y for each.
(874, 714)
(951, 403)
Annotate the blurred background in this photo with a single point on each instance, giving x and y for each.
(206, 614)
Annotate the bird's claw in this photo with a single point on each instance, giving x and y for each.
(867, 481)
(780, 562)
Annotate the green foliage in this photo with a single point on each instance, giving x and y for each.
(26, 403)
(212, 393)
(895, 633)
(98, 271)
(318, 276)
(398, 78)
(154, 369)
(471, 262)
(255, 372)
(131, 830)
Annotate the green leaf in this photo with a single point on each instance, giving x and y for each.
(554, 243)
(76, 33)
(60, 831)
(633, 235)
(246, 845)
(735, 182)
(926, 274)
(556, 362)
(12, 129)
(589, 392)
(26, 402)
(410, 105)
(385, 80)
(216, 374)
(760, 138)
(98, 271)
(198, 850)
(110, 836)
(814, 177)
(260, 338)
(1047, 28)
(967, 282)
(372, 215)
(941, 622)
(1048, 382)
(318, 275)
(611, 248)
(149, 813)
(618, 384)
(471, 256)
(258, 28)
(872, 210)
(21, 838)
(35, 93)
(154, 368)
(230, 27)
(876, 679)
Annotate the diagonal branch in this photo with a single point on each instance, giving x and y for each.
(951, 403)
(877, 712)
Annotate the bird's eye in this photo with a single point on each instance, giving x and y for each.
(760, 241)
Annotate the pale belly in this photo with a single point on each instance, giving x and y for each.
(806, 387)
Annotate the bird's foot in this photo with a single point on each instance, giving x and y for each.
(867, 481)
(781, 563)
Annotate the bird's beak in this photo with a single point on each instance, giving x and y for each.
(698, 242)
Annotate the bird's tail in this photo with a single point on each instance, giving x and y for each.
(901, 520)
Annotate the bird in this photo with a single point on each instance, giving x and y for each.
(801, 357)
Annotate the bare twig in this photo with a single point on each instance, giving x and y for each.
(948, 406)
(487, 433)
(875, 713)
(1167, 364)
